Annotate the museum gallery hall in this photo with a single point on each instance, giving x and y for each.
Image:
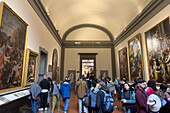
(91, 56)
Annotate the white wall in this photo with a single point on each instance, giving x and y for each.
(152, 22)
(38, 34)
(72, 59)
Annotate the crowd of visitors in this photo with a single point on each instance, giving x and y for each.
(96, 95)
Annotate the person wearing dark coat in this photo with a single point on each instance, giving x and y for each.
(45, 86)
(152, 84)
(100, 97)
(141, 97)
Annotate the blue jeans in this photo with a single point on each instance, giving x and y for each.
(80, 106)
(34, 106)
(126, 110)
(65, 104)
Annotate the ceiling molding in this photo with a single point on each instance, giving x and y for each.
(39, 9)
(151, 10)
(109, 34)
(84, 44)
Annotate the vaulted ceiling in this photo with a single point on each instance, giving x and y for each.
(97, 17)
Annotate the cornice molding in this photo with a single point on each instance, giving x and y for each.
(109, 34)
(151, 10)
(39, 9)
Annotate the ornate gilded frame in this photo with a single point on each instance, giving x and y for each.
(138, 37)
(146, 43)
(3, 4)
(35, 54)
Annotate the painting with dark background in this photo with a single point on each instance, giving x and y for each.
(158, 51)
(123, 63)
(104, 73)
(31, 68)
(54, 65)
(72, 76)
(12, 48)
(135, 58)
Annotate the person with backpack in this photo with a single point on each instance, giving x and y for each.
(104, 100)
(93, 94)
(35, 90)
(56, 95)
(65, 93)
(81, 89)
(162, 92)
(128, 99)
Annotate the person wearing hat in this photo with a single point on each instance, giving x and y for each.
(81, 89)
(35, 90)
(65, 93)
(141, 97)
(154, 103)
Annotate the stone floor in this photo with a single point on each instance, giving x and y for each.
(73, 105)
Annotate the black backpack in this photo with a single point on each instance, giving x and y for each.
(108, 105)
(86, 99)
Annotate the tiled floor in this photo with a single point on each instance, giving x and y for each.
(73, 105)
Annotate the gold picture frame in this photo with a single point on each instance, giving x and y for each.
(31, 66)
(135, 57)
(14, 33)
(156, 35)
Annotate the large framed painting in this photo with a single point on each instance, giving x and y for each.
(104, 73)
(158, 51)
(123, 63)
(54, 65)
(31, 66)
(13, 40)
(135, 58)
(72, 77)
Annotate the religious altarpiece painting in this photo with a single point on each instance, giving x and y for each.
(13, 40)
(54, 65)
(135, 58)
(158, 51)
(31, 66)
(123, 63)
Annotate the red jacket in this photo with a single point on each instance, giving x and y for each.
(141, 101)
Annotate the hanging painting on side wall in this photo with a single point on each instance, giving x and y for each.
(104, 73)
(123, 63)
(72, 77)
(54, 65)
(13, 33)
(135, 58)
(31, 66)
(158, 51)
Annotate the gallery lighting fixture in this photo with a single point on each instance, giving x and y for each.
(77, 42)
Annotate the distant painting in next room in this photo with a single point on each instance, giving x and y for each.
(123, 63)
(72, 77)
(135, 58)
(158, 51)
(104, 73)
(54, 65)
(12, 48)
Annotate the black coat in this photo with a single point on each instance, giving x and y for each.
(100, 100)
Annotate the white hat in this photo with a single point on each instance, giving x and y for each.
(154, 103)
